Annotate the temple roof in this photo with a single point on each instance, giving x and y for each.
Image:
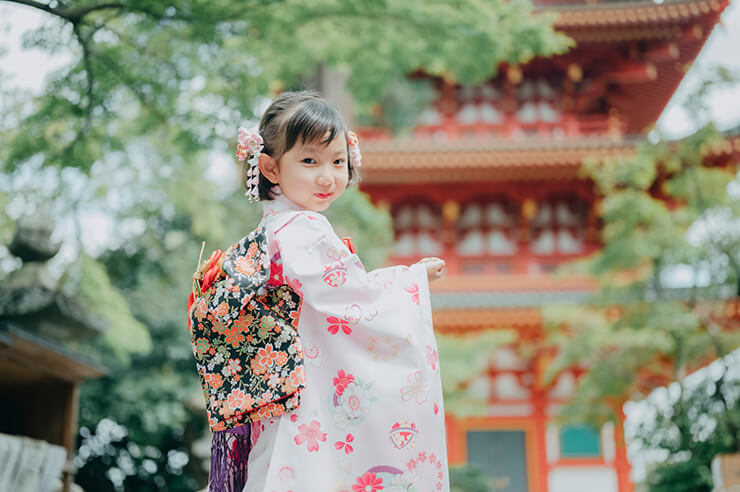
(684, 24)
(634, 20)
(462, 320)
(415, 160)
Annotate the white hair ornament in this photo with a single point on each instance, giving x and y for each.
(249, 148)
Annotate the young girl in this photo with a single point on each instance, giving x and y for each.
(367, 414)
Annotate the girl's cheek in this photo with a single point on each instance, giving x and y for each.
(341, 175)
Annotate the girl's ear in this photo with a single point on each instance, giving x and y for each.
(269, 169)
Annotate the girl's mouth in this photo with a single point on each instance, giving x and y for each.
(323, 196)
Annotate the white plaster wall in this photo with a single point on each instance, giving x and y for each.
(552, 442)
(510, 410)
(582, 479)
(608, 446)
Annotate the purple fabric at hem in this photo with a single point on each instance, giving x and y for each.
(229, 454)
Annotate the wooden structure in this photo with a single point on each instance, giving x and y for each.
(489, 181)
(39, 377)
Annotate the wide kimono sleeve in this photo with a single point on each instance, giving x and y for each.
(332, 280)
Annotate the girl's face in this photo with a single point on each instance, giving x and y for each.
(312, 174)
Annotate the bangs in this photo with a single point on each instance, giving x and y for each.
(313, 121)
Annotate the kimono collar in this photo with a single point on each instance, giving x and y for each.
(280, 203)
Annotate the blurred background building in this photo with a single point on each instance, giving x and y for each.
(489, 181)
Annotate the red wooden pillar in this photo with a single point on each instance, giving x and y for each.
(539, 401)
(448, 108)
(624, 483)
(523, 258)
(454, 441)
(450, 213)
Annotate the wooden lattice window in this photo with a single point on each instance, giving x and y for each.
(559, 227)
(417, 230)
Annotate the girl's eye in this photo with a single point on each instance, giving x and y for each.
(309, 160)
(339, 162)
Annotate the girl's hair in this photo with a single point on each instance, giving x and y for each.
(293, 115)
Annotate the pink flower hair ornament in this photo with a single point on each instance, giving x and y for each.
(249, 147)
(354, 149)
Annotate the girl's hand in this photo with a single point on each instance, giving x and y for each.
(436, 267)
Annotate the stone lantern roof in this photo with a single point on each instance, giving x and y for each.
(33, 298)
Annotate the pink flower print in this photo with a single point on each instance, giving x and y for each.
(345, 445)
(369, 482)
(413, 289)
(422, 457)
(273, 380)
(310, 434)
(236, 400)
(233, 366)
(341, 381)
(417, 389)
(233, 336)
(266, 357)
(214, 380)
(294, 284)
(411, 465)
(336, 323)
(266, 397)
(432, 357)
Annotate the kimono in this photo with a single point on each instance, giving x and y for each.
(370, 415)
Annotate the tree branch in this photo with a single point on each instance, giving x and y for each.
(76, 15)
(37, 5)
(71, 15)
(88, 72)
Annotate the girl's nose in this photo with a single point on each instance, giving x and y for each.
(323, 180)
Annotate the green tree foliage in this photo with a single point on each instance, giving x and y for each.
(468, 479)
(199, 68)
(660, 212)
(463, 360)
(693, 424)
(666, 211)
(125, 334)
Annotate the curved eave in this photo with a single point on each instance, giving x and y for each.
(472, 320)
(465, 160)
(406, 161)
(596, 22)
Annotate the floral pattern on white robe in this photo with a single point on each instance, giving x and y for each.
(371, 415)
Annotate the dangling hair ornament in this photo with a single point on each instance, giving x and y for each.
(250, 145)
(354, 149)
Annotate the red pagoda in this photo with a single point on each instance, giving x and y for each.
(489, 181)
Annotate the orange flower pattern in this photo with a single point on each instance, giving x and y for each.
(247, 350)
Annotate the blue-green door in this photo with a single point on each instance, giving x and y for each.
(503, 456)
